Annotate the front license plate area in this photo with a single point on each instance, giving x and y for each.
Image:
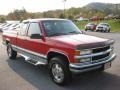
(107, 65)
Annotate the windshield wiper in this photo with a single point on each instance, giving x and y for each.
(57, 34)
(74, 32)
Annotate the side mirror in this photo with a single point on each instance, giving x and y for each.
(36, 36)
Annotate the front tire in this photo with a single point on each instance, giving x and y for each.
(59, 70)
(11, 53)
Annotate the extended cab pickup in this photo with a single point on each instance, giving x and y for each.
(59, 44)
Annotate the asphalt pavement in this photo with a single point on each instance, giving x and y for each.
(20, 75)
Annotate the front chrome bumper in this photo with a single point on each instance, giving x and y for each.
(83, 67)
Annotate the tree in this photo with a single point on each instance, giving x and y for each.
(61, 15)
(18, 15)
(2, 19)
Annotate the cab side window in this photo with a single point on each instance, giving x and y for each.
(23, 29)
(34, 28)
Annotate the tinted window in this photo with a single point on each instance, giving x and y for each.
(34, 29)
(23, 29)
(60, 27)
(105, 24)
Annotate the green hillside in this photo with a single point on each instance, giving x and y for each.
(107, 8)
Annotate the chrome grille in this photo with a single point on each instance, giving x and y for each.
(102, 49)
(98, 50)
(100, 57)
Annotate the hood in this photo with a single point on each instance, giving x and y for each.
(81, 41)
(104, 26)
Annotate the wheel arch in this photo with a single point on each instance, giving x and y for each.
(52, 54)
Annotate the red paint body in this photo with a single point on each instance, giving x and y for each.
(64, 44)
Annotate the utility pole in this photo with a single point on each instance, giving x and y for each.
(116, 9)
(64, 1)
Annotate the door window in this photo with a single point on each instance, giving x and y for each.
(23, 29)
(34, 28)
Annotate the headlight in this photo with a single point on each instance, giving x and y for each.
(83, 52)
(80, 53)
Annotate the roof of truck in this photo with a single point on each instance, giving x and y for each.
(42, 19)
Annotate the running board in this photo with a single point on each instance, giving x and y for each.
(32, 61)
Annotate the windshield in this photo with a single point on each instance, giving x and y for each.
(60, 27)
(104, 24)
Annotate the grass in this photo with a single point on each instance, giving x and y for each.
(115, 25)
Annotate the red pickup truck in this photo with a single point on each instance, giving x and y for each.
(59, 44)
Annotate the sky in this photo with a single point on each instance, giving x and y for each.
(7, 6)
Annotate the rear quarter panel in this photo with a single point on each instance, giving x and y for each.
(10, 36)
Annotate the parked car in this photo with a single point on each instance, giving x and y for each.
(103, 27)
(9, 26)
(2, 25)
(60, 45)
(5, 27)
(82, 19)
(96, 18)
(90, 26)
(16, 27)
(13, 26)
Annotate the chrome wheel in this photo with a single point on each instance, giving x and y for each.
(57, 72)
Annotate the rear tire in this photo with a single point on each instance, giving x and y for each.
(59, 70)
(11, 53)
